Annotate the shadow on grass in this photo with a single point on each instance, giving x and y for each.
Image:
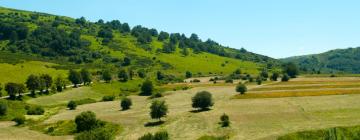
(200, 110)
(152, 124)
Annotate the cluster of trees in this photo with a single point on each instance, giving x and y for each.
(76, 77)
(41, 83)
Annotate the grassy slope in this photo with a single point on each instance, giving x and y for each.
(19, 72)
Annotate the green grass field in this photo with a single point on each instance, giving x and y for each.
(19, 72)
(251, 119)
(259, 118)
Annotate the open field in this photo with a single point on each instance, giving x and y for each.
(250, 118)
(19, 72)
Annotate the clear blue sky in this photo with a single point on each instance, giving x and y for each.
(277, 28)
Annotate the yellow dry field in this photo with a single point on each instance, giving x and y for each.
(251, 119)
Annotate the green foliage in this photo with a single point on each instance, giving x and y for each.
(147, 88)
(123, 75)
(84, 101)
(106, 75)
(291, 70)
(3, 108)
(14, 109)
(188, 74)
(285, 78)
(46, 80)
(13, 89)
(162, 135)
(35, 110)
(156, 95)
(60, 83)
(158, 109)
(339, 60)
(274, 76)
(86, 121)
(126, 103)
(108, 98)
(106, 132)
(202, 100)
(72, 105)
(33, 83)
(259, 80)
(241, 88)
(19, 120)
(337, 133)
(225, 120)
(75, 77)
(86, 76)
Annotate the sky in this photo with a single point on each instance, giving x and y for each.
(276, 28)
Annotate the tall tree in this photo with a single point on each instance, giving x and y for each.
(75, 77)
(86, 76)
(158, 109)
(291, 69)
(47, 79)
(106, 76)
(60, 83)
(33, 83)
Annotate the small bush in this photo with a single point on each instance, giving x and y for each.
(156, 95)
(125, 103)
(97, 134)
(72, 105)
(19, 120)
(225, 121)
(229, 81)
(285, 78)
(108, 98)
(85, 101)
(3, 108)
(162, 135)
(241, 88)
(37, 110)
(195, 81)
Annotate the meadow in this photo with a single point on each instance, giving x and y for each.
(252, 117)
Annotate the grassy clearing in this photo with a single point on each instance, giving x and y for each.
(250, 118)
(19, 72)
(57, 129)
(64, 97)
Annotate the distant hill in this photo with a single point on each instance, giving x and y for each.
(75, 43)
(334, 61)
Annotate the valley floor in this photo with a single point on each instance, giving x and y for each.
(251, 119)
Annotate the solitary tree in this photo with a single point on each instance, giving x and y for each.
(123, 76)
(158, 109)
(202, 100)
(86, 121)
(159, 75)
(264, 74)
(185, 51)
(86, 76)
(225, 121)
(291, 70)
(259, 80)
(188, 74)
(147, 88)
(11, 89)
(241, 88)
(125, 103)
(75, 77)
(33, 83)
(106, 76)
(47, 79)
(141, 73)
(274, 76)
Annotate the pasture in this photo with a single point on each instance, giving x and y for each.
(251, 118)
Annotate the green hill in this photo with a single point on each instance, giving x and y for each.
(334, 61)
(58, 43)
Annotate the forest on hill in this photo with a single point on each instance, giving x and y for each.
(334, 61)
